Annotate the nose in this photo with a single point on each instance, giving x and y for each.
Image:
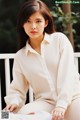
(33, 25)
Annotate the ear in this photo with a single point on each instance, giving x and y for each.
(46, 23)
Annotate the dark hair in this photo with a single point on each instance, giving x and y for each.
(27, 9)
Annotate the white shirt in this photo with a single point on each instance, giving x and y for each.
(52, 74)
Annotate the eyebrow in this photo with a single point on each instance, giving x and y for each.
(37, 19)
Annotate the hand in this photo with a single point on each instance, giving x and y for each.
(11, 107)
(58, 113)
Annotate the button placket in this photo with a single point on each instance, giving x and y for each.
(45, 69)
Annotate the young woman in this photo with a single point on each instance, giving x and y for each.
(46, 62)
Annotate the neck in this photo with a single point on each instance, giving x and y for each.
(36, 42)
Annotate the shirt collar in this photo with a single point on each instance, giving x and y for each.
(46, 40)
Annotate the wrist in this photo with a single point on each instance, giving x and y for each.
(60, 107)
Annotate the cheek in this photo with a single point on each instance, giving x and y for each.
(42, 27)
(25, 28)
(26, 31)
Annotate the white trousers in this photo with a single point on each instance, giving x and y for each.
(72, 112)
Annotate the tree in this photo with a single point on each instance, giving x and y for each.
(67, 10)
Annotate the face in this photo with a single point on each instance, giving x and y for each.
(35, 25)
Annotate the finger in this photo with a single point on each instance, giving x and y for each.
(60, 116)
(52, 112)
(7, 108)
(12, 108)
(55, 114)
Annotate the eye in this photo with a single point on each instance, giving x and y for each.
(39, 21)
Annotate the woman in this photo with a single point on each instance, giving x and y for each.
(46, 62)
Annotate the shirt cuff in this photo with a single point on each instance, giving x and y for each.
(62, 104)
(9, 100)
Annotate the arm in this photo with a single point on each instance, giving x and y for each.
(65, 76)
(18, 88)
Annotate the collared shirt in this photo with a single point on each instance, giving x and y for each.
(51, 74)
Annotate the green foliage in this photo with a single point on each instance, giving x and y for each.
(61, 21)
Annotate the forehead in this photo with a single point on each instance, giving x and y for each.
(36, 15)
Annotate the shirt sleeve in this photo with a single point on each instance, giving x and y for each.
(18, 87)
(65, 76)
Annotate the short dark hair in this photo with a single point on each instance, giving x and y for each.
(28, 8)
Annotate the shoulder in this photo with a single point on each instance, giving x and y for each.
(58, 35)
(61, 38)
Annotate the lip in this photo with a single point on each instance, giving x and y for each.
(33, 32)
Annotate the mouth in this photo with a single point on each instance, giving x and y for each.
(33, 32)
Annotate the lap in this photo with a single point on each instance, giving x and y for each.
(72, 112)
(36, 106)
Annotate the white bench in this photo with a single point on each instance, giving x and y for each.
(7, 57)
